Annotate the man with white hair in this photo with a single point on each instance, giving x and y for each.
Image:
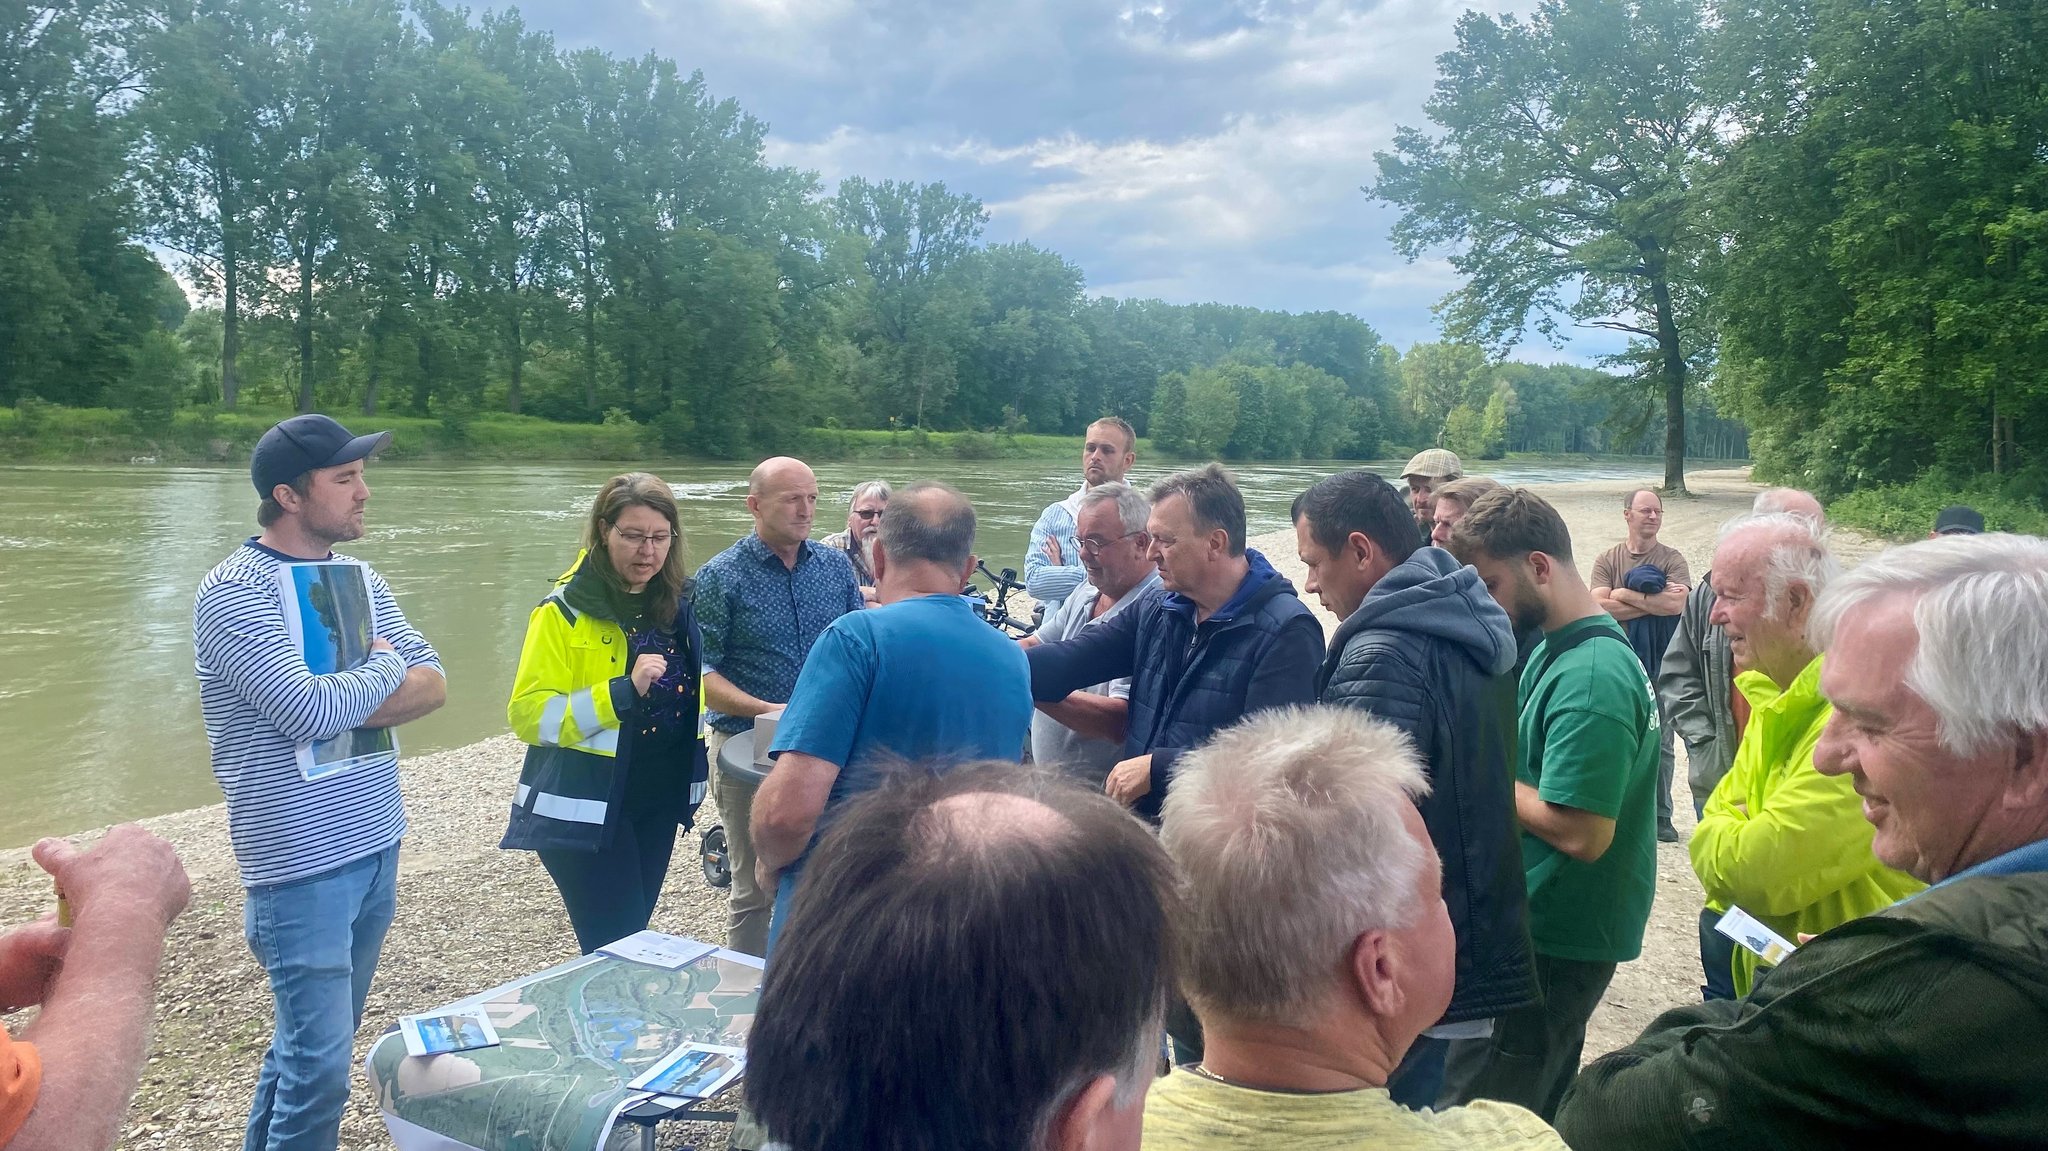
(864, 509)
(1920, 1025)
(1317, 946)
(1780, 840)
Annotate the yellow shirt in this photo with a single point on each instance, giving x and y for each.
(1190, 1112)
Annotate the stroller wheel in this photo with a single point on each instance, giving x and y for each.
(717, 863)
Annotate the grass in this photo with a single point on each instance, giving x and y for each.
(1907, 511)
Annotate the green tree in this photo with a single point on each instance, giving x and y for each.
(1436, 379)
(1565, 180)
(918, 304)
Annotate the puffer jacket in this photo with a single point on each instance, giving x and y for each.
(1431, 653)
(1259, 650)
(1919, 1026)
(1695, 686)
(1779, 839)
(574, 705)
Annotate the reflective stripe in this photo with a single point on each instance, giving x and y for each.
(551, 714)
(519, 796)
(584, 709)
(697, 792)
(568, 810)
(605, 742)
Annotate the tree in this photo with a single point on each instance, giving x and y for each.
(1436, 379)
(1565, 180)
(917, 312)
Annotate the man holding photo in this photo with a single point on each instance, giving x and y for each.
(319, 856)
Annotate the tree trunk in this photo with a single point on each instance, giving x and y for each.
(589, 320)
(231, 282)
(376, 372)
(1673, 371)
(518, 356)
(303, 325)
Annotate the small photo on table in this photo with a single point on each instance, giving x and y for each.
(693, 1071)
(446, 1032)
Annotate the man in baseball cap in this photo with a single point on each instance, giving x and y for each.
(1431, 469)
(307, 443)
(1957, 520)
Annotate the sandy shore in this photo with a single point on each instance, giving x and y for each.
(471, 916)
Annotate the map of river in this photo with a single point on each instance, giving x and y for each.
(569, 1040)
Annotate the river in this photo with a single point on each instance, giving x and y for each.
(99, 712)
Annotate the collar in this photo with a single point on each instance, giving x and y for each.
(762, 553)
(2030, 858)
(273, 553)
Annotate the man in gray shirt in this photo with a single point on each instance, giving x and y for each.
(1084, 733)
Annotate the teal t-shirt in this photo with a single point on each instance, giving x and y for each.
(1589, 740)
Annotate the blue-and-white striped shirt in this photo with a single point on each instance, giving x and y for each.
(260, 701)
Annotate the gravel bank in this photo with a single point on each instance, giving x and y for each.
(471, 916)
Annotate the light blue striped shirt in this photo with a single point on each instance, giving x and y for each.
(260, 702)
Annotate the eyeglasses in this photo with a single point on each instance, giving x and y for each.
(1089, 544)
(659, 541)
(871, 513)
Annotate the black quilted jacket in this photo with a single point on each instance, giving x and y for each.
(1430, 652)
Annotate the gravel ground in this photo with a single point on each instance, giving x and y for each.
(471, 916)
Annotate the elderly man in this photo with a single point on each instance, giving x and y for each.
(1428, 471)
(1084, 733)
(1920, 1025)
(919, 679)
(863, 522)
(1778, 839)
(1052, 561)
(1422, 646)
(1317, 945)
(317, 851)
(1028, 1017)
(65, 1082)
(761, 604)
(1228, 639)
(1585, 770)
(1643, 585)
(1696, 696)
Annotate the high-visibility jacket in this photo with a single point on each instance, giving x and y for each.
(566, 708)
(1779, 839)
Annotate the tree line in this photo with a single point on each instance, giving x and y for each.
(1834, 213)
(420, 209)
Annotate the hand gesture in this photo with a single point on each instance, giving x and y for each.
(380, 644)
(647, 669)
(128, 868)
(1052, 551)
(29, 958)
(1130, 780)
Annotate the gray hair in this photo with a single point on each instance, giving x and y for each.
(1132, 508)
(862, 491)
(1288, 832)
(1981, 614)
(928, 521)
(1781, 500)
(1797, 553)
(1213, 500)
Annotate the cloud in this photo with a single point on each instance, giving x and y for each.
(1189, 149)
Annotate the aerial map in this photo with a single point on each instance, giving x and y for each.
(569, 1040)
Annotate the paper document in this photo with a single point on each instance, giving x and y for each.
(693, 1071)
(450, 1031)
(1750, 932)
(328, 613)
(669, 952)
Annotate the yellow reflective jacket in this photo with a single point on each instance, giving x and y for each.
(1779, 839)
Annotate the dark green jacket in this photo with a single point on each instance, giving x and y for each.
(1925, 1025)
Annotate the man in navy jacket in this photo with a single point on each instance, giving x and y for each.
(1225, 636)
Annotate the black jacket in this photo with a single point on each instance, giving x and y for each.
(1259, 650)
(1431, 653)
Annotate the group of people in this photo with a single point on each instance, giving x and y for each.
(1370, 890)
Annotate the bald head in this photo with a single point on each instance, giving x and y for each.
(1789, 501)
(985, 822)
(782, 496)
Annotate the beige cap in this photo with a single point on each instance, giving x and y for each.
(1434, 464)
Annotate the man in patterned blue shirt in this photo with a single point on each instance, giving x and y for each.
(762, 603)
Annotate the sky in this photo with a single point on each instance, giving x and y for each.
(1188, 150)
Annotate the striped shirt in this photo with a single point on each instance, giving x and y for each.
(260, 702)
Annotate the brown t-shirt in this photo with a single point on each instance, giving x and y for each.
(1615, 562)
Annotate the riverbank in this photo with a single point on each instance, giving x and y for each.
(471, 916)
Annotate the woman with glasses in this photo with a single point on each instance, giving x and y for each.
(608, 699)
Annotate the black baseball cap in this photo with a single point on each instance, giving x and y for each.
(303, 443)
(1958, 520)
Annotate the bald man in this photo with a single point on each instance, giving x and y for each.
(762, 603)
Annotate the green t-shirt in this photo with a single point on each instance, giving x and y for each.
(1589, 740)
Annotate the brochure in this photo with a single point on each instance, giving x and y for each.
(448, 1031)
(1750, 932)
(693, 1071)
(328, 612)
(671, 952)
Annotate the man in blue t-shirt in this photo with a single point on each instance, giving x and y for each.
(918, 680)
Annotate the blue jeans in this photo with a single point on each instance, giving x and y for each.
(319, 939)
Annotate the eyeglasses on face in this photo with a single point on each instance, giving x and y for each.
(868, 513)
(1089, 544)
(659, 541)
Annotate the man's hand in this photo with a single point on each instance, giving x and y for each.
(1052, 551)
(1129, 780)
(647, 669)
(1027, 642)
(766, 877)
(129, 867)
(29, 959)
(380, 644)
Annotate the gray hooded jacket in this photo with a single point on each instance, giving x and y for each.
(1430, 652)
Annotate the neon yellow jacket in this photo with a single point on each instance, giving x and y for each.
(1779, 839)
